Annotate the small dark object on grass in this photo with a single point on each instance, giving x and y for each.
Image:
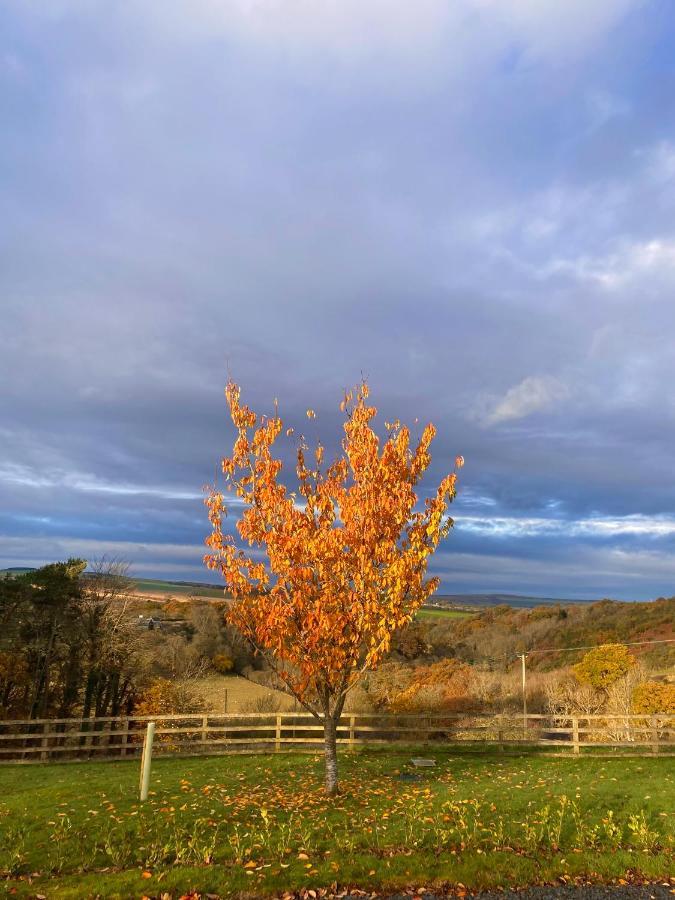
(409, 776)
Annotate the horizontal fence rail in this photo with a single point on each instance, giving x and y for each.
(42, 740)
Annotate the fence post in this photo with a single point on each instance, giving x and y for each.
(125, 737)
(500, 740)
(146, 761)
(44, 743)
(655, 734)
(88, 737)
(112, 738)
(524, 679)
(352, 722)
(277, 739)
(205, 727)
(575, 735)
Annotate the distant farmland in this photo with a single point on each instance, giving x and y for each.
(154, 586)
(232, 693)
(177, 588)
(439, 613)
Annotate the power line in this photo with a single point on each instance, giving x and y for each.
(594, 646)
(507, 657)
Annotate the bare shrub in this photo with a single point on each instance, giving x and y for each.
(566, 697)
(359, 701)
(263, 703)
(165, 696)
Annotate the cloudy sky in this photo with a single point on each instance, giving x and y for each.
(471, 202)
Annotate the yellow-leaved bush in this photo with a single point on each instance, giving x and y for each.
(654, 697)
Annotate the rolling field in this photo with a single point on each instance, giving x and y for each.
(429, 613)
(232, 693)
(174, 589)
(257, 825)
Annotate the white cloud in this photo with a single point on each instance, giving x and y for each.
(26, 477)
(463, 30)
(604, 106)
(555, 30)
(629, 261)
(534, 393)
(659, 162)
(145, 557)
(544, 29)
(587, 232)
(595, 526)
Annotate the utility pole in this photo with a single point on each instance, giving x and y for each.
(522, 659)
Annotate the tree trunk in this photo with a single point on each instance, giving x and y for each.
(90, 687)
(330, 736)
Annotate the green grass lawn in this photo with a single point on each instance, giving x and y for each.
(256, 825)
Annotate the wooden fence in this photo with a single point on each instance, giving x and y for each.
(42, 740)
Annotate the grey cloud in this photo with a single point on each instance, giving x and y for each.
(471, 205)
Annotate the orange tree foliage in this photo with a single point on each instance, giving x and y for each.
(337, 567)
(604, 665)
(654, 697)
(443, 686)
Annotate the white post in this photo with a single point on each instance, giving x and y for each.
(146, 761)
(522, 657)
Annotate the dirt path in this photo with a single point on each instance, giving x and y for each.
(561, 892)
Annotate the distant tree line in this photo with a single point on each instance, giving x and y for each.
(71, 645)
(66, 643)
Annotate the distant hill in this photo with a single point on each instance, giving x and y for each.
(498, 632)
(445, 601)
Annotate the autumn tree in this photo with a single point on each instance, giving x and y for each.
(339, 566)
(109, 643)
(604, 665)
